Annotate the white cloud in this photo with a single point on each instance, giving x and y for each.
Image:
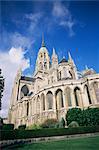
(9, 63)
(33, 20)
(18, 40)
(63, 17)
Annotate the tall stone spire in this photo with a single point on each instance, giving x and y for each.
(69, 56)
(54, 52)
(43, 43)
(54, 59)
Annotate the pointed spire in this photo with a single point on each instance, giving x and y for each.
(19, 72)
(54, 52)
(69, 56)
(43, 43)
(86, 67)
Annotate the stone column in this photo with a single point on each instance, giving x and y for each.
(54, 103)
(73, 98)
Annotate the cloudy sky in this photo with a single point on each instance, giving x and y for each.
(66, 25)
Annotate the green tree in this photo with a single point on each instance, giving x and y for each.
(1, 87)
(85, 117)
(74, 114)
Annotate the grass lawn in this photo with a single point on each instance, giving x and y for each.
(88, 143)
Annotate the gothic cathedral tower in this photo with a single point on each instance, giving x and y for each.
(43, 59)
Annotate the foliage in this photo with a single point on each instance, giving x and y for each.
(73, 124)
(49, 123)
(85, 117)
(7, 126)
(22, 127)
(1, 87)
(24, 134)
(34, 126)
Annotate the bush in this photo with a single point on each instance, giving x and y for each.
(24, 134)
(22, 127)
(7, 126)
(49, 123)
(73, 124)
(87, 117)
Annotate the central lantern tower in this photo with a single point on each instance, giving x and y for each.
(43, 59)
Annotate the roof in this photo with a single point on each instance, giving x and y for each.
(63, 60)
(27, 78)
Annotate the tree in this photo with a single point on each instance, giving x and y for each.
(85, 117)
(74, 114)
(1, 87)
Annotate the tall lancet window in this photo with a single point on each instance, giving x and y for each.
(77, 96)
(43, 101)
(49, 100)
(59, 99)
(87, 94)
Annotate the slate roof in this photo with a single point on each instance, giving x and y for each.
(27, 78)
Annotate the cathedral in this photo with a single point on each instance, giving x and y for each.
(55, 87)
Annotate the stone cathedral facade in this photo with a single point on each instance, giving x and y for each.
(54, 88)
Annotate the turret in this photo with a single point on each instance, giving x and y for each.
(54, 59)
(71, 61)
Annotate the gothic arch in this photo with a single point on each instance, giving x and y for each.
(43, 101)
(77, 94)
(68, 96)
(87, 94)
(49, 97)
(59, 99)
(38, 105)
(24, 91)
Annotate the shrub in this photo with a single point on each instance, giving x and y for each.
(22, 127)
(74, 114)
(73, 124)
(8, 127)
(24, 134)
(86, 117)
(49, 123)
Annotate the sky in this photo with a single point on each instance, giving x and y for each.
(67, 26)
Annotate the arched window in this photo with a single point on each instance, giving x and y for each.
(87, 94)
(38, 105)
(24, 91)
(43, 101)
(96, 90)
(59, 99)
(71, 76)
(50, 100)
(27, 113)
(77, 95)
(68, 96)
(60, 75)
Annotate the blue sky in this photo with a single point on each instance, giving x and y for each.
(67, 25)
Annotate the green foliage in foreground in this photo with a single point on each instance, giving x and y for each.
(73, 124)
(86, 117)
(90, 143)
(47, 132)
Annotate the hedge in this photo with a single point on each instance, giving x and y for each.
(24, 134)
(7, 127)
(22, 127)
